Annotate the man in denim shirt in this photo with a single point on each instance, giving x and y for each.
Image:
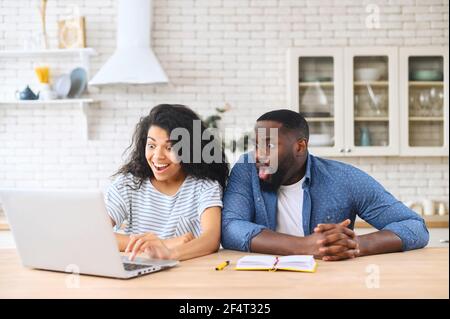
(282, 200)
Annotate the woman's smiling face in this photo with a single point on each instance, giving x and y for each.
(158, 152)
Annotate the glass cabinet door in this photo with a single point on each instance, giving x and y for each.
(425, 101)
(370, 97)
(316, 92)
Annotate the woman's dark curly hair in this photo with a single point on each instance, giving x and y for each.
(170, 117)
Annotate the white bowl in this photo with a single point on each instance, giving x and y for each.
(367, 74)
(320, 140)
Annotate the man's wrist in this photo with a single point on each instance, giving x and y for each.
(301, 246)
(361, 246)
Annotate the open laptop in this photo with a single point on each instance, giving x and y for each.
(69, 231)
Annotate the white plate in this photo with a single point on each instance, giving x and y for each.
(78, 77)
(62, 86)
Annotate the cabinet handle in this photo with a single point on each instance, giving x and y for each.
(348, 150)
(341, 150)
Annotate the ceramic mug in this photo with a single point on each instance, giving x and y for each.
(441, 210)
(46, 93)
(428, 207)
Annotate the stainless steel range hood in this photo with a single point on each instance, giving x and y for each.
(133, 62)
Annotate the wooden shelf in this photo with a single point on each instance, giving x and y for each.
(371, 83)
(30, 53)
(426, 83)
(426, 119)
(431, 221)
(371, 119)
(319, 119)
(321, 84)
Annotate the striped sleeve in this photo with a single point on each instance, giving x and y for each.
(210, 196)
(116, 203)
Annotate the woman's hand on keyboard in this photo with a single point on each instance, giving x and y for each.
(150, 244)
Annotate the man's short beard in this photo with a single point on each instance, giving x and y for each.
(276, 180)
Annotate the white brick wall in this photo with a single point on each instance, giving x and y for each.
(214, 51)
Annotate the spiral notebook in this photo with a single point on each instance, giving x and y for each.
(302, 263)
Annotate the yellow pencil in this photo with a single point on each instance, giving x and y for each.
(221, 266)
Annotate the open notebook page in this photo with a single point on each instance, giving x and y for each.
(297, 262)
(294, 263)
(262, 262)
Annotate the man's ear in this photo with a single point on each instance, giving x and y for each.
(301, 146)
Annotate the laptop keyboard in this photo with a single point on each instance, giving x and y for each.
(131, 267)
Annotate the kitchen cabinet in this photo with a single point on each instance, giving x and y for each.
(316, 90)
(357, 101)
(424, 101)
(371, 108)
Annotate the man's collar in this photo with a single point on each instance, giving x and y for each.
(308, 169)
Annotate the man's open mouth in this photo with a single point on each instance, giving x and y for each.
(264, 172)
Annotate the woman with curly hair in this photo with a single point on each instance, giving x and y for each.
(166, 203)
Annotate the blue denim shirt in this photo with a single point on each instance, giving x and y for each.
(333, 192)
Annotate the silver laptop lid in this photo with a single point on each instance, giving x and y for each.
(63, 231)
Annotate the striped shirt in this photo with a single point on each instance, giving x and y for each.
(148, 210)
